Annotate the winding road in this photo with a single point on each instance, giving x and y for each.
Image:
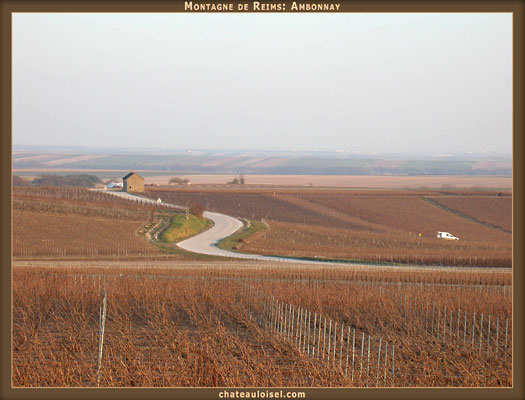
(205, 243)
(224, 226)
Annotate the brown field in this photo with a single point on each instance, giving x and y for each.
(364, 225)
(342, 181)
(217, 326)
(495, 211)
(72, 159)
(174, 321)
(70, 222)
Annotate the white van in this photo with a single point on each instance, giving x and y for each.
(446, 235)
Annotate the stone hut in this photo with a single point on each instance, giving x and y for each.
(133, 182)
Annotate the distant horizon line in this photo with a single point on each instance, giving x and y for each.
(142, 149)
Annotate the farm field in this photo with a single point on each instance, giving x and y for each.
(71, 223)
(376, 226)
(349, 181)
(258, 324)
(173, 319)
(495, 211)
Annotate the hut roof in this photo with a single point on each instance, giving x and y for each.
(132, 173)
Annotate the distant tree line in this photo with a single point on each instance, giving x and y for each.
(179, 181)
(238, 180)
(82, 180)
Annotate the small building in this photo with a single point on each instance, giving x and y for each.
(133, 182)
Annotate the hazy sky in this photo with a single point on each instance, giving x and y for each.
(361, 82)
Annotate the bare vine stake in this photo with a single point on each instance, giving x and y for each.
(488, 337)
(299, 327)
(278, 319)
(457, 327)
(426, 317)
(304, 335)
(506, 334)
(480, 332)
(473, 326)
(368, 362)
(361, 358)
(335, 341)
(329, 337)
(347, 349)
(288, 330)
(465, 330)
(497, 335)
(294, 315)
(319, 337)
(444, 324)
(283, 309)
(432, 329)
(378, 361)
(101, 333)
(268, 312)
(450, 333)
(386, 357)
(298, 336)
(285, 319)
(286, 311)
(315, 329)
(392, 365)
(353, 354)
(274, 315)
(341, 349)
(438, 325)
(295, 320)
(324, 337)
(308, 348)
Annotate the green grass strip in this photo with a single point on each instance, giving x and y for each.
(182, 227)
(233, 242)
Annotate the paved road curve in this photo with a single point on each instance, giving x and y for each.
(224, 226)
(204, 243)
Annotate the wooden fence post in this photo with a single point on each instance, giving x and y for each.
(368, 362)
(315, 329)
(353, 353)
(341, 349)
(319, 336)
(335, 340)
(305, 330)
(101, 333)
(347, 350)
(308, 349)
(361, 359)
